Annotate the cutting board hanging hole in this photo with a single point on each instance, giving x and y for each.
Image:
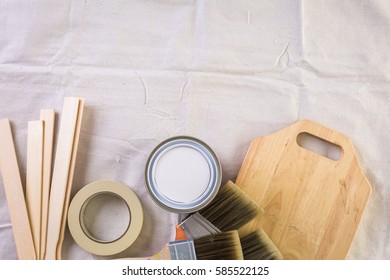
(319, 146)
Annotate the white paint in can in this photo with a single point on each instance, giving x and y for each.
(182, 174)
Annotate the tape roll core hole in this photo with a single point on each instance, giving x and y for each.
(105, 217)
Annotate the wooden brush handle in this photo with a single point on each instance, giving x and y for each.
(164, 254)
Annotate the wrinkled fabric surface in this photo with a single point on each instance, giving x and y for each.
(222, 71)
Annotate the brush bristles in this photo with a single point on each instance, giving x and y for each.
(231, 208)
(219, 246)
(258, 246)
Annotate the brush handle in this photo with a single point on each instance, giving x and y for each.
(180, 234)
(164, 254)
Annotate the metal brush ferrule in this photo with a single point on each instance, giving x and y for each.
(182, 250)
(197, 226)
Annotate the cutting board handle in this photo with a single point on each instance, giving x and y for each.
(324, 133)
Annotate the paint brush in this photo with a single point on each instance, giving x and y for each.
(258, 246)
(220, 246)
(229, 210)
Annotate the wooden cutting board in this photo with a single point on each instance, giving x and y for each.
(313, 205)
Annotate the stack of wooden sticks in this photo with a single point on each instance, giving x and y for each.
(39, 217)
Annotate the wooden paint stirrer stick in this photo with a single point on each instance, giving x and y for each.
(61, 174)
(34, 180)
(14, 193)
(48, 116)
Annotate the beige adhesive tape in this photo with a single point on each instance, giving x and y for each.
(77, 226)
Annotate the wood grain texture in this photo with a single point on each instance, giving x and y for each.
(70, 177)
(34, 180)
(61, 171)
(164, 254)
(15, 195)
(313, 205)
(48, 116)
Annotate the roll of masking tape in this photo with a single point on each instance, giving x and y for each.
(80, 232)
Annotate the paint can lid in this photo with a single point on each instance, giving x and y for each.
(183, 174)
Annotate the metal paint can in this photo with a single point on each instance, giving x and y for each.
(183, 174)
